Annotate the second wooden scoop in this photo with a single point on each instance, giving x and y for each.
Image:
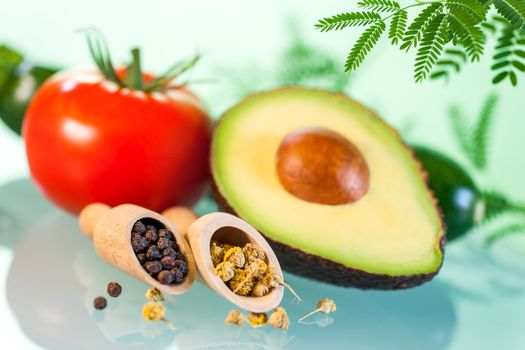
(110, 229)
(226, 228)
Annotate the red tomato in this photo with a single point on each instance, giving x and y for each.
(87, 140)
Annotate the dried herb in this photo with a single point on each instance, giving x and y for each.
(325, 306)
(234, 318)
(279, 319)
(153, 294)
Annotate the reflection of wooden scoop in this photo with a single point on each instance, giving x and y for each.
(225, 228)
(110, 229)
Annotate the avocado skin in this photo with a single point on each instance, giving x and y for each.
(317, 268)
(456, 192)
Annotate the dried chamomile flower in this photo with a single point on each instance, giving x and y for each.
(251, 252)
(153, 294)
(260, 289)
(225, 270)
(153, 311)
(234, 318)
(272, 279)
(279, 319)
(216, 253)
(325, 306)
(235, 256)
(241, 283)
(257, 319)
(256, 268)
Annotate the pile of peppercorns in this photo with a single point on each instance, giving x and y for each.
(158, 252)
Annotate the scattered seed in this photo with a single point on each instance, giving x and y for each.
(114, 289)
(100, 303)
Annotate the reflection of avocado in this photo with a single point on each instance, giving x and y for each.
(331, 187)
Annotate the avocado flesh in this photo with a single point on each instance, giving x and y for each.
(394, 230)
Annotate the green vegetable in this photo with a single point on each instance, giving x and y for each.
(463, 204)
(18, 83)
(449, 34)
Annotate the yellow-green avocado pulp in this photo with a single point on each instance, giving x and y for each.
(394, 229)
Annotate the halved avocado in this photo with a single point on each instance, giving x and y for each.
(332, 187)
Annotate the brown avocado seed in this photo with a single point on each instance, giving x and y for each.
(321, 166)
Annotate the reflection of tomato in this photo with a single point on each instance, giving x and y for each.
(90, 141)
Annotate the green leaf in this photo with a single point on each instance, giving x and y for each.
(465, 25)
(460, 129)
(500, 65)
(350, 19)
(479, 147)
(474, 7)
(364, 44)
(513, 78)
(398, 26)
(418, 27)
(498, 78)
(379, 5)
(9, 61)
(512, 10)
(520, 66)
(431, 47)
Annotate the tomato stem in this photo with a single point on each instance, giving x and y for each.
(134, 72)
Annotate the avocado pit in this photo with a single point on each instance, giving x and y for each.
(322, 166)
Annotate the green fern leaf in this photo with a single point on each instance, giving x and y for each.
(480, 133)
(397, 26)
(379, 5)
(476, 8)
(461, 130)
(431, 47)
(452, 61)
(465, 26)
(350, 19)
(512, 10)
(419, 25)
(364, 44)
(509, 55)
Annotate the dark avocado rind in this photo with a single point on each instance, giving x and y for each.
(458, 197)
(320, 269)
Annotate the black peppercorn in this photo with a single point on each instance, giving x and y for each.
(139, 244)
(164, 243)
(135, 235)
(142, 258)
(181, 265)
(153, 267)
(100, 303)
(114, 289)
(170, 252)
(166, 277)
(151, 228)
(151, 236)
(139, 227)
(153, 253)
(178, 275)
(180, 256)
(168, 262)
(165, 233)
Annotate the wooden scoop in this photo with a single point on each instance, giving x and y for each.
(226, 228)
(110, 229)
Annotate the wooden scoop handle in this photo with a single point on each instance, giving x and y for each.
(90, 216)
